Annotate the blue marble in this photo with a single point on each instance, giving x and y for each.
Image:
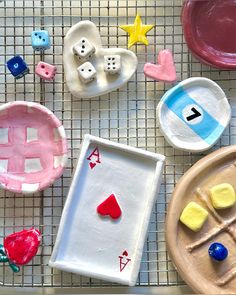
(40, 40)
(218, 251)
(17, 66)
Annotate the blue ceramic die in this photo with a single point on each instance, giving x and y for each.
(17, 66)
(40, 40)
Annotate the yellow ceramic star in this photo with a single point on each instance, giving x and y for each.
(137, 32)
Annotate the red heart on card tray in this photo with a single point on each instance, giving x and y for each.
(109, 207)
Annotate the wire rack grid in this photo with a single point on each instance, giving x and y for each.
(127, 115)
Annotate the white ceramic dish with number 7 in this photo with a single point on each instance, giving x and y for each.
(106, 215)
(194, 114)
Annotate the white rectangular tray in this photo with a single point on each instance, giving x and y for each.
(101, 247)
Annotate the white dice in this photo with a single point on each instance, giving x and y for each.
(112, 64)
(87, 72)
(84, 50)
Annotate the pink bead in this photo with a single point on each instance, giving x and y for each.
(45, 71)
(165, 69)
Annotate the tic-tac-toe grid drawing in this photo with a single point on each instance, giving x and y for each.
(127, 115)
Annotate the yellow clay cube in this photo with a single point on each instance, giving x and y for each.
(194, 216)
(222, 196)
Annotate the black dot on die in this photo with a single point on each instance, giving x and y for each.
(43, 40)
(108, 64)
(36, 34)
(40, 37)
(82, 51)
(114, 63)
(108, 68)
(83, 41)
(114, 68)
(90, 70)
(109, 58)
(82, 70)
(113, 58)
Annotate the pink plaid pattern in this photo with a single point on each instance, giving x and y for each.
(17, 117)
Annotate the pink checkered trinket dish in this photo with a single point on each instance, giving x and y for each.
(33, 147)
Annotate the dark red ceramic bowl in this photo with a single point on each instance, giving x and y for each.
(210, 31)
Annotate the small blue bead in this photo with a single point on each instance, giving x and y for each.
(218, 251)
(40, 40)
(17, 66)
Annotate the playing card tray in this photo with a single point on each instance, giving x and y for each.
(99, 246)
(127, 115)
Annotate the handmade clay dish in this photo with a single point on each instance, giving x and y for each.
(93, 239)
(103, 83)
(189, 250)
(209, 30)
(32, 147)
(193, 114)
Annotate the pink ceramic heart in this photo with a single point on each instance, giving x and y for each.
(165, 69)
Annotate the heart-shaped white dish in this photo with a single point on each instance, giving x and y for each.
(104, 83)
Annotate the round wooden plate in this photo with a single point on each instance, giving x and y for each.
(189, 250)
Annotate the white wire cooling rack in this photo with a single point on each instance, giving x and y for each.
(126, 115)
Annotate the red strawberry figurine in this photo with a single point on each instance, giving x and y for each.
(20, 247)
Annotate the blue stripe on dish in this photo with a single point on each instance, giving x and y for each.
(209, 129)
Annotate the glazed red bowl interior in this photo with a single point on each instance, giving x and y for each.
(210, 31)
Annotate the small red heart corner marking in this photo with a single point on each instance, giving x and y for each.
(125, 253)
(92, 165)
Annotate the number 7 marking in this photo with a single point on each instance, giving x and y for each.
(194, 116)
